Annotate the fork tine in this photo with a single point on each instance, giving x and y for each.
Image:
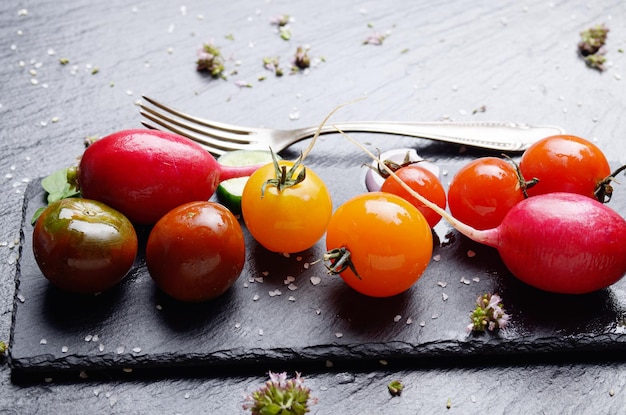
(235, 129)
(214, 146)
(169, 122)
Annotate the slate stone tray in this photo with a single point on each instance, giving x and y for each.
(135, 326)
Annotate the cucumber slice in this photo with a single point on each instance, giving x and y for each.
(229, 191)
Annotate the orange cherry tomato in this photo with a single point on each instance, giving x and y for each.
(424, 182)
(290, 219)
(483, 191)
(564, 163)
(388, 240)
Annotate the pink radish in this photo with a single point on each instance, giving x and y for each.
(146, 173)
(558, 242)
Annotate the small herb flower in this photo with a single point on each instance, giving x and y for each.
(489, 314)
(273, 64)
(375, 38)
(280, 396)
(282, 21)
(591, 46)
(301, 59)
(210, 59)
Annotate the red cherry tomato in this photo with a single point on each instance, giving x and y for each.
(424, 182)
(483, 191)
(196, 251)
(83, 246)
(388, 240)
(564, 163)
(290, 219)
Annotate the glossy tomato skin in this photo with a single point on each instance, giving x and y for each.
(84, 246)
(483, 191)
(196, 251)
(146, 173)
(289, 220)
(389, 240)
(564, 163)
(425, 183)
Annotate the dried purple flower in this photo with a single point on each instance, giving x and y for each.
(489, 314)
(375, 38)
(280, 396)
(301, 59)
(210, 60)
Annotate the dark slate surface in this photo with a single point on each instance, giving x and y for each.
(441, 60)
(136, 326)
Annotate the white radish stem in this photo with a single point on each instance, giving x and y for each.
(488, 237)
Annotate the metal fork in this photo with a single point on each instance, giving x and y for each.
(219, 138)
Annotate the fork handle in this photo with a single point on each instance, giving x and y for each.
(505, 136)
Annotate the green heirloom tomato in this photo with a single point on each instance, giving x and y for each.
(83, 246)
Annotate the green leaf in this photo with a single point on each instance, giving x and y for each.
(59, 185)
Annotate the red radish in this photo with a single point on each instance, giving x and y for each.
(558, 242)
(146, 173)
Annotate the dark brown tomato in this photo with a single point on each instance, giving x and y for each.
(84, 246)
(196, 251)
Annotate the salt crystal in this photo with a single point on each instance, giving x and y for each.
(260, 332)
(397, 318)
(292, 298)
(289, 280)
(471, 254)
(444, 296)
(88, 338)
(292, 287)
(437, 258)
(338, 335)
(64, 349)
(442, 284)
(315, 280)
(256, 297)
(119, 350)
(43, 341)
(409, 321)
(136, 349)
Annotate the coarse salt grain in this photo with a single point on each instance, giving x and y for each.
(436, 258)
(397, 318)
(292, 298)
(43, 341)
(338, 335)
(471, 254)
(442, 284)
(64, 349)
(315, 280)
(444, 296)
(119, 350)
(289, 280)
(256, 297)
(292, 287)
